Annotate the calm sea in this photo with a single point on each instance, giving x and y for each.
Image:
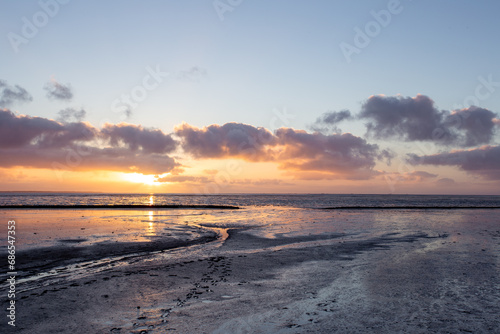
(243, 200)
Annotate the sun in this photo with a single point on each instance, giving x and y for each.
(150, 180)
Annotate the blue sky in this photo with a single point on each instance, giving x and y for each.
(262, 57)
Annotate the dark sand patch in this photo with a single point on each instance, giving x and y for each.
(72, 241)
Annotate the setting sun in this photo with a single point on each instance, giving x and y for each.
(141, 178)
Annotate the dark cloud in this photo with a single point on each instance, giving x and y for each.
(67, 135)
(329, 120)
(406, 118)
(42, 143)
(387, 155)
(477, 125)
(71, 115)
(229, 140)
(58, 91)
(336, 153)
(334, 117)
(292, 149)
(10, 95)
(18, 131)
(483, 161)
(416, 119)
(135, 137)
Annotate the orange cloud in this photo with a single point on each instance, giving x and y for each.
(292, 149)
(37, 142)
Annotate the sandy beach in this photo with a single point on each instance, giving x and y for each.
(258, 270)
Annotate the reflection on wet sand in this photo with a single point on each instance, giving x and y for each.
(262, 269)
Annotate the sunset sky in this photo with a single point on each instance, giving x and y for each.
(240, 96)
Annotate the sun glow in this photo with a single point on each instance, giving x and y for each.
(141, 178)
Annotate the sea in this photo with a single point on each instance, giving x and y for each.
(351, 201)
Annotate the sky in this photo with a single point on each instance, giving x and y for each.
(239, 96)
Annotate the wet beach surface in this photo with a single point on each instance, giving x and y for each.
(266, 270)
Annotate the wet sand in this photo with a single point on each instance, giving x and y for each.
(276, 270)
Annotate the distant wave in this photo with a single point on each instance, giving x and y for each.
(119, 206)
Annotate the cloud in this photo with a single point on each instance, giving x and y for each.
(293, 150)
(483, 161)
(387, 155)
(334, 117)
(9, 95)
(42, 143)
(135, 137)
(336, 153)
(329, 120)
(19, 131)
(58, 91)
(406, 118)
(234, 140)
(71, 115)
(477, 124)
(416, 119)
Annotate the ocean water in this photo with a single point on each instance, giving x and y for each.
(245, 200)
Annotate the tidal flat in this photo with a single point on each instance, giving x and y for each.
(260, 269)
